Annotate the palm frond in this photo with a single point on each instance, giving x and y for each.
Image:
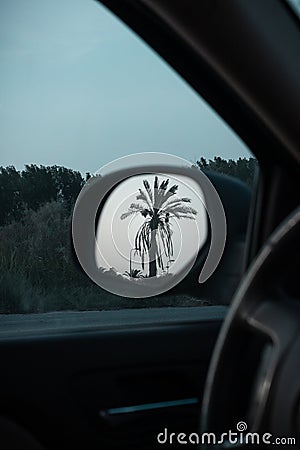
(155, 191)
(142, 196)
(177, 200)
(180, 209)
(136, 206)
(166, 195)
(165, 234)
(184, 216)
(148, 190)
(142, 238)
(162, 193)
(173, 189)
(159, 256)
(143, 260)
(133, 209)
(164, 184)
(142, 241)
(127, 214)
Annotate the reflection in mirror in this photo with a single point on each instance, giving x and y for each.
(151, 225)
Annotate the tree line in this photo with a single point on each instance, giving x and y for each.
(35, 186)
(243, 168)
(37, 270)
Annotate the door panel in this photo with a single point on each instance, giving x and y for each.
(73, 385)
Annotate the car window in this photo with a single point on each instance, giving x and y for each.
(78, 89)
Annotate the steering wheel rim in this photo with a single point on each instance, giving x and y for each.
(251, 378)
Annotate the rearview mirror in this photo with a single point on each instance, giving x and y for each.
(137, 231)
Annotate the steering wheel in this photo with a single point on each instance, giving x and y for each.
(253, 383)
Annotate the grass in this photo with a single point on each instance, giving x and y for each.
(17, 295)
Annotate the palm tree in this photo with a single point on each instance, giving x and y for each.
(158, 207)
(134, 273)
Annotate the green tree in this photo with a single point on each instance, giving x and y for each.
(243, 168)
(38, 186)
(10, 195)
(134, 273)
(68, 184)
(158, 207)
(34, 187)
(45, 184)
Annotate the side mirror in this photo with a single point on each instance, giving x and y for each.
(138, 231)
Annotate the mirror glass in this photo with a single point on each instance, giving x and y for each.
(151, 225)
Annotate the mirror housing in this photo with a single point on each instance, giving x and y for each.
(101, 186)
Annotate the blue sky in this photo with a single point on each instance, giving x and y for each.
(79, 89)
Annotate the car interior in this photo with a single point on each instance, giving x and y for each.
(119, 380)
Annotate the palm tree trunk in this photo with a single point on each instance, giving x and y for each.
(153, 248)
(153, 255)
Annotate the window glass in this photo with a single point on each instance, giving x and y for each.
(79, 89)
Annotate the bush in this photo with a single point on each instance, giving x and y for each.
(39, 246)
(38, 273)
